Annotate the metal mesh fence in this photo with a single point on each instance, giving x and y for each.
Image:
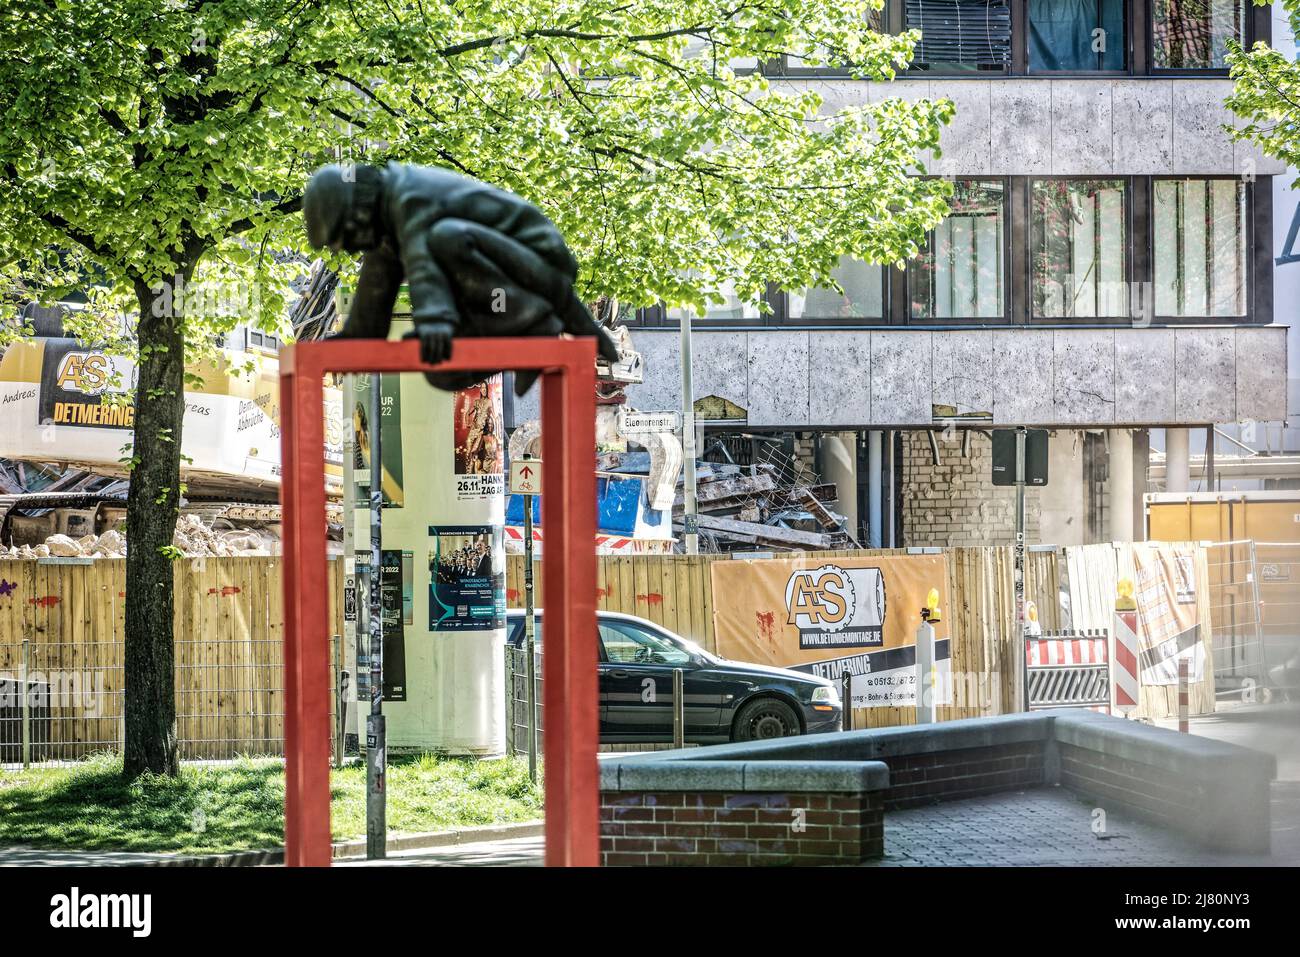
(1255, 616)
(229, 699)
(517, 699)
(62, 681)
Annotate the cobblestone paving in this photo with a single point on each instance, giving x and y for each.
(1040, 827)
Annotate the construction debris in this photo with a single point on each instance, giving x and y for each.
(192, 537)
(769, 536)
(772, 503)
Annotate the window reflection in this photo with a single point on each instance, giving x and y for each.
(862, 296)
(1199, 239)
(1078, 248)
(958, 275)
(1194, 34)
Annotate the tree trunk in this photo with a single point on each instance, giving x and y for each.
(151, 510)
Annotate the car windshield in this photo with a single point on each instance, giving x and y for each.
(618, 627)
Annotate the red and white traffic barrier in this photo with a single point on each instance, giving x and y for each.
(1068, 670)
(605, 544)
(1077, 649)
(1124, 657)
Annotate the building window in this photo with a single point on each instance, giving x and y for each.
(958, 274)
(263, 341)
(960, 35)
(731, 310)
(1078, 261)
(1076, 35)
(799, 60)
(1194, 34)
(862, 297)
(1199, 247)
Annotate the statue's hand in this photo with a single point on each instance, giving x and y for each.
(435, 341)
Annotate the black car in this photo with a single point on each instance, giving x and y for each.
(725, 700)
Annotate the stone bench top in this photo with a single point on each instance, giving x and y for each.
(814, 776)
(855, 760)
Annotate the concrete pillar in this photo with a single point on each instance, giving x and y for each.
(1120, 485)
(875, 516)
(1062, 519)
(840, 463)
(1141, 472)
(1177, 461)
(445, 567)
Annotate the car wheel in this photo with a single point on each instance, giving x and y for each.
(765, 718)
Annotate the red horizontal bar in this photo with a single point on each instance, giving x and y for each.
(378, 355)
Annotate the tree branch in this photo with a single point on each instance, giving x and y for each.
(291, 205)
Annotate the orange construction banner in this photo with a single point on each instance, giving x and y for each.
(826, 616)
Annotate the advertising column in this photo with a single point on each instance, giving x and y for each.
(444, 563)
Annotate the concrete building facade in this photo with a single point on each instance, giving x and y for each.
(1107, 273)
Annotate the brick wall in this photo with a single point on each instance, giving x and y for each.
(804, 458)
(1227, 810)
(918, 779)
(955, 502)
(1138, 786)
(729, 828)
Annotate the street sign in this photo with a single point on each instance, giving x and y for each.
(526, 476)
(641, 423)
(1004, 456)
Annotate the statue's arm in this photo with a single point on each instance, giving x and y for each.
(378, 283)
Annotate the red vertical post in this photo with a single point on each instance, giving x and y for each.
(569, 568)
(290, 522)
(569, 562)
(307, 676)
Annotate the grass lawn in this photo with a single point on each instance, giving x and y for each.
(240, 805)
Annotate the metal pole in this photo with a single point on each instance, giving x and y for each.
(846, 679)
(1209, 485)
(875, 516)
(340, 700)
(679, 708)
(925, 673)
(1022, 679)
(376, 738)
(530, 632)
(1259, 617)
(1182, 695)
(24, 702)
(690, 520)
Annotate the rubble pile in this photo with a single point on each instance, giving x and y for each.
(750, 507)
(192, 537)
(741, 507)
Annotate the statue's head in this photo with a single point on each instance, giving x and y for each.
(341, 208)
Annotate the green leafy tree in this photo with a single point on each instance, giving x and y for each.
(147, 146)
(1266, 94)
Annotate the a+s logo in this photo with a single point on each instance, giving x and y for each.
(820, 599)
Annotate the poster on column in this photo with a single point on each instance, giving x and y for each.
(479, 441)
(390, 405)
(467, 578)
(827, 617)
(1172, 611)
(397, 608)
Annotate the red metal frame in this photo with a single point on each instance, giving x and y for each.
(569, 593)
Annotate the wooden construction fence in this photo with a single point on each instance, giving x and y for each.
(229, 632)
(674, 591)
(229, 665)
